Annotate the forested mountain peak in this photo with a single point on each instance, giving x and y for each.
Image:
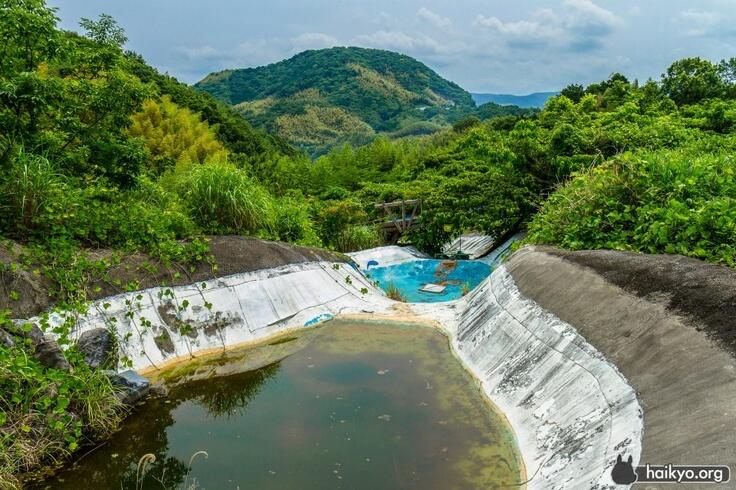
(336, 71)
(342, 94)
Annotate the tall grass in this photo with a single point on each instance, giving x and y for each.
(45, 414)
(30, 183)
(394, 293)
(357, 237)
(224, 199)
(293, 223)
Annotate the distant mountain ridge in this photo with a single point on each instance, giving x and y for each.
(534, 100)
(320, 98)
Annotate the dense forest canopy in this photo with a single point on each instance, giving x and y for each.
(99, 150)
(321, 98)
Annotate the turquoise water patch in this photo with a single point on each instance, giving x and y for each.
(318, 319)
(457, 276)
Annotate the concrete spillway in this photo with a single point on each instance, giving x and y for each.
(571, 410)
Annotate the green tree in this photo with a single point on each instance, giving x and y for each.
(174, 135)
(574, 92)
(690, 80)
(105, 31)
(29, 35)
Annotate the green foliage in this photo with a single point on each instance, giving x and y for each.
(48, 413)
(29, 187)
(223, 199)
(664, 202)
(395, 293)
(690, 80)
(325, 98)
(29, 35)
(293, 222)
(104, 31)
(356, 237)
(376, 70)
(574, 92)
(477, 187)
(174, 135)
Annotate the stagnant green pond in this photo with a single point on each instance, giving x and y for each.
(354, 405)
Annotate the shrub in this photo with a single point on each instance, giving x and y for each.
(343, 226)
(293, 223)
(30, 184)
(394, 293)
(354, 238)
(174, 134)
(223, 199)
(662, 202)
(47, 413)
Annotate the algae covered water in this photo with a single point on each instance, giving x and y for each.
(354, 405)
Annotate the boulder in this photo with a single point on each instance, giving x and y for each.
(6, 339)
(98, 348)
(132, 387)
(50, 354)
(27, 331)
(159, 390)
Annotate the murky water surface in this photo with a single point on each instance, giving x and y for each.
(354, 405)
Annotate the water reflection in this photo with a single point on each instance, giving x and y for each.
(347, 405)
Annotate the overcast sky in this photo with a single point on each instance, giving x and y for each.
(517, 46)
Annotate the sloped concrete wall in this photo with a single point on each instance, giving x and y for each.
(571, 409)
(160, 325)
(386, 256)
(664, 321)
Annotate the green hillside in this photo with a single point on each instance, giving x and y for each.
(319, 98)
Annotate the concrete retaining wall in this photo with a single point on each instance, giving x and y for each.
(161, 325)
(669, 350)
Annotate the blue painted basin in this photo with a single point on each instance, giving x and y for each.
(409, 277)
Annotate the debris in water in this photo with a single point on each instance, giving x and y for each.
(385, 417)
(432, 288)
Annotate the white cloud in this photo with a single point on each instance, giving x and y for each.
(580, 24)
(522, 29)
(697, 22)
(313, 40)
(197, 52)
(589, 18)
(434, 18)
(400, 41)
(249, 53)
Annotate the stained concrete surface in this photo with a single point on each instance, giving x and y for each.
(685, 378)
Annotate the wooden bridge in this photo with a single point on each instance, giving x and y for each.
(399, 217)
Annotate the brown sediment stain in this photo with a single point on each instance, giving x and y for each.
(163, 341)
(167, 312)
(449, 282)
(445, 267)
